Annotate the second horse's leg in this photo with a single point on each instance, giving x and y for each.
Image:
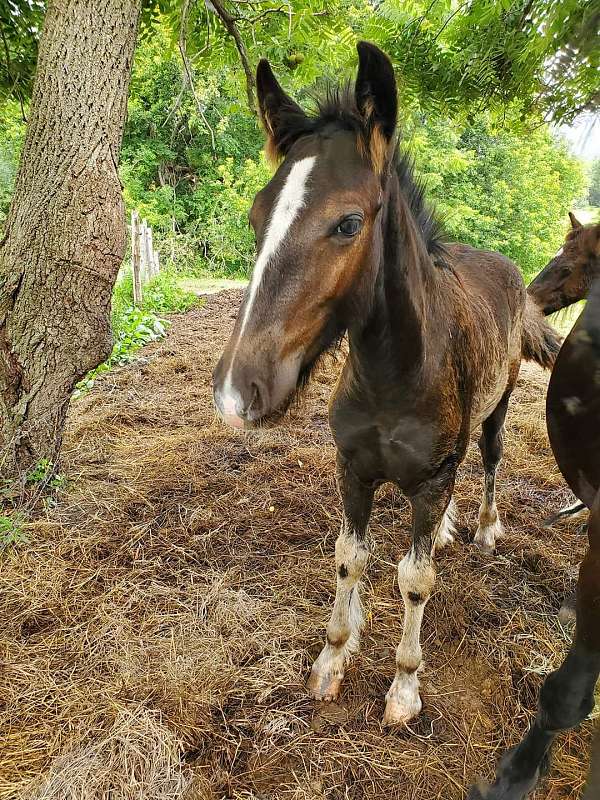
(351, 555)
(567, 695)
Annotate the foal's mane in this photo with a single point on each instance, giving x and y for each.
(337, 109)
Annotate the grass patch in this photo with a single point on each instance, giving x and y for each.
(11, 530)
(135, 326)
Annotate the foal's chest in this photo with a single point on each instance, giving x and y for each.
(402, 447)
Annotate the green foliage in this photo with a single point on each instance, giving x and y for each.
(20, 24)
(462, 58)
(225, 230)
(11, 530)
(497, 190)
(12, 135)
(594, 194)
(163, 295)
(542, 54)
(136, 328)
(43, 473)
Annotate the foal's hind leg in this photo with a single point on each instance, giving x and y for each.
(447, 529)
(491, 446)
(351, 555)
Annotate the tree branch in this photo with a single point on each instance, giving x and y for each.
(252, 20)
(229, 21)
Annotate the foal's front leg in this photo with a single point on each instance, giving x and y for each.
(416, 579)
(351, 556)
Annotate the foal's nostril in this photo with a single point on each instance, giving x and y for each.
(255, 407)
(254, 397)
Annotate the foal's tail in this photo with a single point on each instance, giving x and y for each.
(541, 342)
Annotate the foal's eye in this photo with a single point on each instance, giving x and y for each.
(350, 226)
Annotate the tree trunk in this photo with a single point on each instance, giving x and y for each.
(65, 233)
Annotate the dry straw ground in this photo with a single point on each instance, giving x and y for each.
(158, 627)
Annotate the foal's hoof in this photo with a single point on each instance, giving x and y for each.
(403, 701)
(397, 713)
(484, 547)
(485, 538)
(323, 687)
(443, 539)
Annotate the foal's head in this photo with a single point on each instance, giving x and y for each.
(568, 277)
(318, 237)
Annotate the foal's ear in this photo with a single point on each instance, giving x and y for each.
(282, 118)
(376, 99)
(574, 221)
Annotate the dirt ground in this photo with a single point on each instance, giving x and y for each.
(158, 627)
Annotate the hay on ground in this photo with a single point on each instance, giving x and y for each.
(160, 624)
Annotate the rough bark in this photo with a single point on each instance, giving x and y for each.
(65, 233)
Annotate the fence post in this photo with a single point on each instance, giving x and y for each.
(145, 261)
(135, 258)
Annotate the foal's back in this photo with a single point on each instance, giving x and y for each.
(491, 322)
(492, 278)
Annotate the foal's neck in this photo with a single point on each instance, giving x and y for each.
(393, 337)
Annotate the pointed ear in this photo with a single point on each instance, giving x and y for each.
(574, 221)
(282, 118)
(376, 97)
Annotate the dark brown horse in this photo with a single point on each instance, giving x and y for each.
(569, 275)
(436, 335)
(567, 696)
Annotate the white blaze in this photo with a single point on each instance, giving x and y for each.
(285, 211)
(288, 204)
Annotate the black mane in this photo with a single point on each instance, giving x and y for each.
(413, 190)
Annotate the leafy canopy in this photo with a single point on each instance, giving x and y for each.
(191, 161)
(454, 57)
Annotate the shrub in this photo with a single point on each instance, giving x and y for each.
(11, 530)
(228, 235)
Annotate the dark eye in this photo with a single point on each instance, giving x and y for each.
(350, 226)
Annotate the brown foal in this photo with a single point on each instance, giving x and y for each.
(568, 276)
(436, 335)
(565, 280)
